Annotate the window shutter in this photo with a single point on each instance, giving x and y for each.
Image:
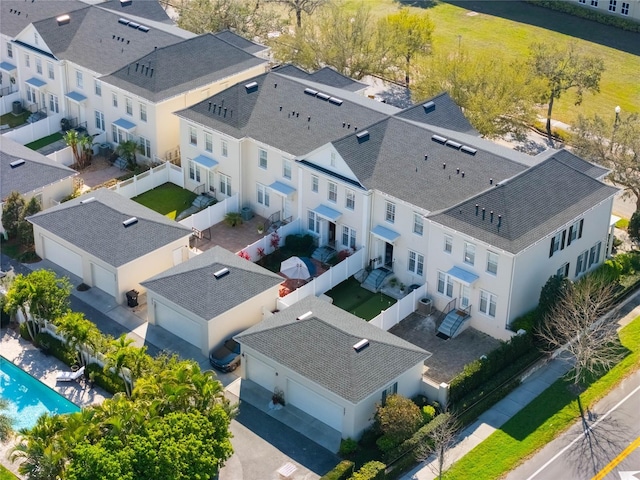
(551, 248)
(566, 270)
(580, 229)
(569, 238)
(564, 236)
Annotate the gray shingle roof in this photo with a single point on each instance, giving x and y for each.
(326, 76)
(444, 113)
(38, 171)
(532, 205)
(193, 286)
(321, 348)
(150, 9)
(577, 163)
(265, 113)
(392, 160)
(240, 42)
(96, 226)
(15, 15)
(96, 40)
(181, 67)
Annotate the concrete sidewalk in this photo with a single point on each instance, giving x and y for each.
(531, 387)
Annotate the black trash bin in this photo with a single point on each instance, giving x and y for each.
(132, 298)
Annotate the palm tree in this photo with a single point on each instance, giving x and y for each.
(6, 422)
(128, 150)
(128, 361)
(43, 455)
(81, 334)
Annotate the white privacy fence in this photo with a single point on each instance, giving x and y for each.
(264, 244)
(211, 215)
(152, 178)
(400, 310)
(63, 157)
(329, 279)
(31, 132)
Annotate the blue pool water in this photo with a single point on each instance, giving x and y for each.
(29, 398)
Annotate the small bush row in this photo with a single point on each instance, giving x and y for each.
(342, 471)
(409, 446)
(373, 470)
(299, 244)
(589, 14)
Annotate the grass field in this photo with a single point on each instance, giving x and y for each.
(511, 26)
(14, 120)
(551, 413)
(6, 474)
(43, 142)
(350, 296)
(167, 199)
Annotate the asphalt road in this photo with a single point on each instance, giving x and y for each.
(610, 450)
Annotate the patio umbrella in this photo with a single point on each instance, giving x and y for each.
(295, 269)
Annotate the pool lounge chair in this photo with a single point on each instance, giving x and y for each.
(70, 376)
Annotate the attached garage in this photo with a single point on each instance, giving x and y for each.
(260, 373)
(103, 279)
(176, 323)
(63, 256)
(314, 404)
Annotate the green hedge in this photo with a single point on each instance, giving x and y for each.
(299, 244)
(53, 346)
(373, 470)
(108, 381)
(589, 14)
(342, 471)
(408, 447)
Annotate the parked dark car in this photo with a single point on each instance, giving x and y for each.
(227, 357)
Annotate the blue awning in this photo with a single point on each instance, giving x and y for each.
(282, 188)
(76, 97)
(36, 82)
(7, 67)
(328, 213)
(463, 276)
(205, 161)
(385, 234)
(124, 124)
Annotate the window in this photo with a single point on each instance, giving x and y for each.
(624, 9)
(445, 285)
(333, 159)
(581, 263)
(79, 79)
(594, 254)
(97, 87)
(612, 5)
(118, 134)
(469, 253)
(225, 185)
(286, 168)
(313, 222)
(50, 71)
(145, 147)
(448, 243)
(262, 158)
(348, 237)
(333, 192)
(212, 182)
(192, 170)
(114, 99)
(416, 263)
(563, 271)
(143, 112)
(582, 1)
(492, 263)
(128, 106)
(387, 392)
(418, 224)
(594, 3)
(27, 61)
(488, 303)
(464, 296)
(263, 195)
(390, 213)
(575, 231)
(53, 103)
(31, 94)
(557, 242)
(208, 142)
(99, 120)
(223, 146)
(39, 65)
(314, 183)
(350, 201)
(193, 135)
(9, 50)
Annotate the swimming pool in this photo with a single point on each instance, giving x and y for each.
(28, 397)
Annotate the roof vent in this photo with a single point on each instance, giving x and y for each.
(88, 200)
(63, 19)
(310, 91)
(361, 345)
(362, 136)
(304, 316)
(144, 29)
(335, 101)
(439, 139)
(429, 106)
(123, 21)
(251, 87)
(17, 163)
(221, 273)
(323, 96)
(134, 24)
(125, 3)
(469, 150)
(130, 221)
(452, 144)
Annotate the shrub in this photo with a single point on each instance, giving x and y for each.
(299, 244)
(551, 292)
(589, 14)
(108, 381)
(5, 318)
(634, 227)
(386, 443)
(57, 348)
(528, 322)
(399, 417)
(416, 439)
(233, 218)
(428, 413)
(370, 471)
(342, 471)
(347, 447)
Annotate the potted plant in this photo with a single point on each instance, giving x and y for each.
(260, 228)
(278, 397)
(92, 378)
(233, 218)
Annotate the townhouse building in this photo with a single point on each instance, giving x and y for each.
(625, 9)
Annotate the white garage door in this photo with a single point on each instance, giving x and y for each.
(259, 372)
(103, 279)
(178, 324)
(63, 256)
(314, 404)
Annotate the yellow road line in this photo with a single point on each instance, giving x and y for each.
(624, 454)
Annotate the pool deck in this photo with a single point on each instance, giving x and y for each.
(44, 368)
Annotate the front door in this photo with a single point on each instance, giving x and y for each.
(388, 255)
(464, 296)
(332, 234)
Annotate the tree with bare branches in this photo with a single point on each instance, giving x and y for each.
(437, 444)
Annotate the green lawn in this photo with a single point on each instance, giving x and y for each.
(551, 413)
(14, 120)
(350, 296)
(6, 474)
(168, 199)
(492, 28)
(43, 142)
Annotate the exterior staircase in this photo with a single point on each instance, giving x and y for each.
(374, 280)
(323, 254)
(452, 322)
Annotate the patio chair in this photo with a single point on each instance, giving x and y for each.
(70, 376)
